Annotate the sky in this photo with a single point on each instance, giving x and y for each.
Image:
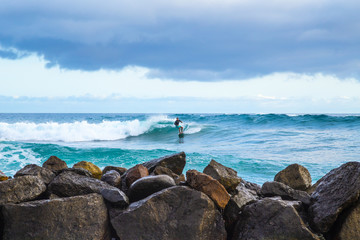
(180, 56)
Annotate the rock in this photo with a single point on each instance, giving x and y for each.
(95, 170)
(135, 173)
(3, 177)
(115, 197)
(173, 213)
(175, 163)
(271, 219)
(159, 170)
(348, 224)
(68, 184)
(338, 189)
(236, 203)
(81, 217)
(44, 174)
(112, 177)
(270, 189)
(79, 171)
(225, 175)
(209, 186)
(21, 189)
(55, 164)
(295, 176)
(120, 170)
(146, 186)
(254, 188)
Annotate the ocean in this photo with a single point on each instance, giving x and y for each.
(257, 146)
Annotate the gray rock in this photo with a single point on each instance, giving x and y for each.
(112, 177)
(338, 190)
(173, 213)
(226, 176)
(295, 176)
(44, 174)
(55, 164)
(175, 163)
(80, 171)
(254, 188)
(237, 201)
(68, 184)
(21, 189)
(270, 189)
(120, 170)
(273, 220)
(115, 197)
(81, 217)
(146, 186)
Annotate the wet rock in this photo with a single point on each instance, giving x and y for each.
(95, 170)
(56, 219)
(68, 184)
(120, 170)
(21, 189)
(146, 186)
(135, 173)
(79, 171)
(295, 176)
(112, 177)
(159, 170)
(237, 201)
(338, 190)
(55, 164)
(225, 175)
(173, 213)
(115, 197)
(44, 174)
(271, 219)
(3, 177)
(209, 186)
(175, 163)
(270, 189)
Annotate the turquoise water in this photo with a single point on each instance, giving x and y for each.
(257, 146)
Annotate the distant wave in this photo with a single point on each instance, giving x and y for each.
(84, 131)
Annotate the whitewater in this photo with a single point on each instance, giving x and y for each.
(257, 146)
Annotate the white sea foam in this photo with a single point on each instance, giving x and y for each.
(82, 130)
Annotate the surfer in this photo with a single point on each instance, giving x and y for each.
(177, 124)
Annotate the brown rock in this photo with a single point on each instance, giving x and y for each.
(225, 175)
(3, 177)
(159, 170)
(95, 170)
(348, 227)
(295, 176)
(209, 186)
(120, 170)
(55, 164)
(46, 175)
(135, 173)
(175, 163)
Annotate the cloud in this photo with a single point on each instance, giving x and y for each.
(206, 39)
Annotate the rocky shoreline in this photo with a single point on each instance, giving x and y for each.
(155, 200)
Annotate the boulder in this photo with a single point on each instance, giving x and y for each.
(270, 189)
(175, 163)
(146, 186)
(254, 188)
(209, 186)
(237, 201)
(44, 174)
(159, 170)
(173, 213)
(338, 189)
(295, 176)
(226, 176)
(68, 184)
(3, 177)
(79, 171)
(21, 189)
(112, 177)
(135, 173)
(348, 225)
(55, 164)
(115, 197)
(120, 170)
(271, 219)
(95, 170)
(81, 217)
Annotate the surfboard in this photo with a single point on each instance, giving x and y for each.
(181, 135)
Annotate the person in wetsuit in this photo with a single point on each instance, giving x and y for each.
(176, 123)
